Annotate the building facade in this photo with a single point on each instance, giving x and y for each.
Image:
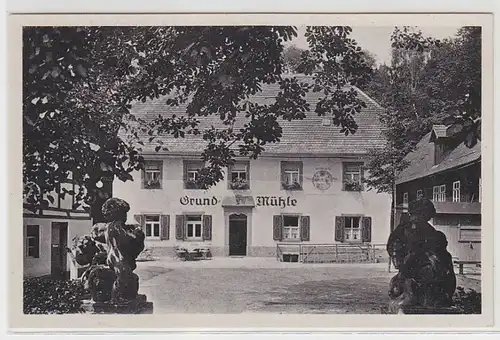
(306, 189)
(48, 232)
(448, 173)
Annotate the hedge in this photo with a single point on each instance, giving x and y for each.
(49, 296)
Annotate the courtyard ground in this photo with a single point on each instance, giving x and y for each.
(236, 285)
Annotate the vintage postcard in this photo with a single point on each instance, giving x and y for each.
(251, 171)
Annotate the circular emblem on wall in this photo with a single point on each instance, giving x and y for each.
(322, 179)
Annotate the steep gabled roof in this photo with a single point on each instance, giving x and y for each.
(307, 136)
(422, 159)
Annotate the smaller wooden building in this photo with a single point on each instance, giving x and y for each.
(449, 173)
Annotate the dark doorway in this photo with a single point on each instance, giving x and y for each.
(237, 235)
(58, 244)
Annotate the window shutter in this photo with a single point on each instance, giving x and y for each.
(184, 173)
(229, 171)
(207, 227)
(179, 227)
(248, 174)
(143, 178)
(366, 232)
(277, 227)
(165, 227)
(362, 170)
(339, 229)
(305, 222)
(282, 179)
(301, 174)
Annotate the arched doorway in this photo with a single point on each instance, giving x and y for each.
(237, 235)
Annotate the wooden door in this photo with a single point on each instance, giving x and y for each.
(237, 235)
(58, 244)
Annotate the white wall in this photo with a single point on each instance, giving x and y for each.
(322, 206)
(42, 265)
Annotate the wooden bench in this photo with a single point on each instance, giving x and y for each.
(461, 264)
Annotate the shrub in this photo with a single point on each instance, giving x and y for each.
(468, 302)
(49, 296)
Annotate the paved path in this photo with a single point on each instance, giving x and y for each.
(236, 285)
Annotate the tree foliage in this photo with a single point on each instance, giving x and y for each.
(291, 59)
(428, 82)
(79, 84)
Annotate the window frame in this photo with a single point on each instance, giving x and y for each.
(298, 228)
(193, 223)
(35, 237)
(346, 174)
(245, 183)
(152, 224)
(359, 229)
(158, 170)
(420, 194)
(456, 191)
(191, 167)
(442, 193)
(435, 193)
(296, 169)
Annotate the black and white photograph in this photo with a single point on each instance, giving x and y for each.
(263, 169)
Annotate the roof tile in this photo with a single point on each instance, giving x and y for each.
(308, 136)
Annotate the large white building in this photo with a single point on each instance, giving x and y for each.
(302, 192)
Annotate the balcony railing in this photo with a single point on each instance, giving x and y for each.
(458, 207)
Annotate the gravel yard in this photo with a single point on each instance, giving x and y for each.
(264, 285)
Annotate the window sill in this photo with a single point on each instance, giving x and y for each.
(152, 238)
(194, 240)
(291, 240)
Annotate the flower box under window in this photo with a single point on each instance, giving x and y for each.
(192, 184)
(353, 176)
(152, 175)
(152, 184)
(352, 186)
(292, 186)
(239, 184)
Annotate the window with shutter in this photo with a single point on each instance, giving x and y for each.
(291, 228)
(305, 228)
(277, 227)
(165, 227)
(352, 228)
(152, 227)
(194, 227)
